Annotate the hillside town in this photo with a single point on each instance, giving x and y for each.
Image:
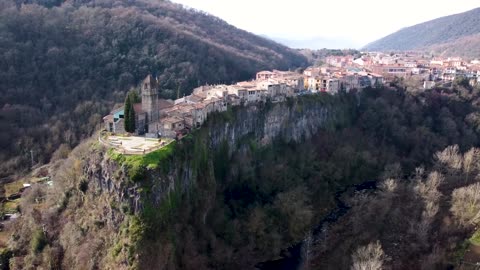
(156, 117)
(429, 70)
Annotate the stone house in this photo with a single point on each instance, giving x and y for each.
(265, 75)
(219, 104)
(295, 81)
(171, 126)
(199, 114)
(275, 90)
(256, 95)
(233, 100)
(239, 91)
(114, 122)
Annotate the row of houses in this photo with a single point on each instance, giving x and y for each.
(410, 64)
(156, 117)
(333, 79)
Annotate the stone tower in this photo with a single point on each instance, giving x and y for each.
(150, 98)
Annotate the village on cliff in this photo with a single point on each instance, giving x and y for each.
(161, 118)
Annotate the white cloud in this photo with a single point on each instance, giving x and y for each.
(359, 21)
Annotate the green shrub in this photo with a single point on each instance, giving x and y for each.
(39, 241)
(117, 249)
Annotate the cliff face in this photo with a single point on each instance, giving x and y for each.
(194, 165)
(289, 121)
(127, 211)
(106, 176)
(292, 121)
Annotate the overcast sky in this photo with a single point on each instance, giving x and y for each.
(354, 22)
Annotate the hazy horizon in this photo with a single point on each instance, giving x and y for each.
(343, 24)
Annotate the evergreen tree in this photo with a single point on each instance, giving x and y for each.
(131, 118)
(128, 114)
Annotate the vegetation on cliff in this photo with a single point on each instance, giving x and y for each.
(234, 205)
(248, 206)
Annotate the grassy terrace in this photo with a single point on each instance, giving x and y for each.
(137, 164)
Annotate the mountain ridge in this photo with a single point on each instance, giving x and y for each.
(422, 36)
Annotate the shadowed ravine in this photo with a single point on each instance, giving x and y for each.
(294, 257)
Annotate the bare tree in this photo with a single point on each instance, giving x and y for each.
(370, 257)
(428, 190)
(451, 158)
(466, 204)
(471, 161)
(388, 186)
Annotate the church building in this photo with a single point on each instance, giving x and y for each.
(146, 112)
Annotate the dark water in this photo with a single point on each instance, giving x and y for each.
(292, 257)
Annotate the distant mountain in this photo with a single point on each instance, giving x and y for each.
(446, 35)
(63, 64)
(468, 47)
(317, 43)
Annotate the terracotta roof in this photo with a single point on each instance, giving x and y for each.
(163, 104)
(108, 118)
(201, 95)
(194, 98)
(172, 119)
(246, 84)
(171, 109)
(236, 87)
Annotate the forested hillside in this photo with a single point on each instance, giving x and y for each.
(64, 64)
(233, 211)
(442, 35)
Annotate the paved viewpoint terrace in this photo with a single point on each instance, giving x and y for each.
(134, 144)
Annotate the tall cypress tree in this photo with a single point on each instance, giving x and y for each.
(131, 117)
(127, 111)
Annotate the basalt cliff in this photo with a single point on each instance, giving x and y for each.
(108, 210)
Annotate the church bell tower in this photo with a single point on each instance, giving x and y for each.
(150, 98)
